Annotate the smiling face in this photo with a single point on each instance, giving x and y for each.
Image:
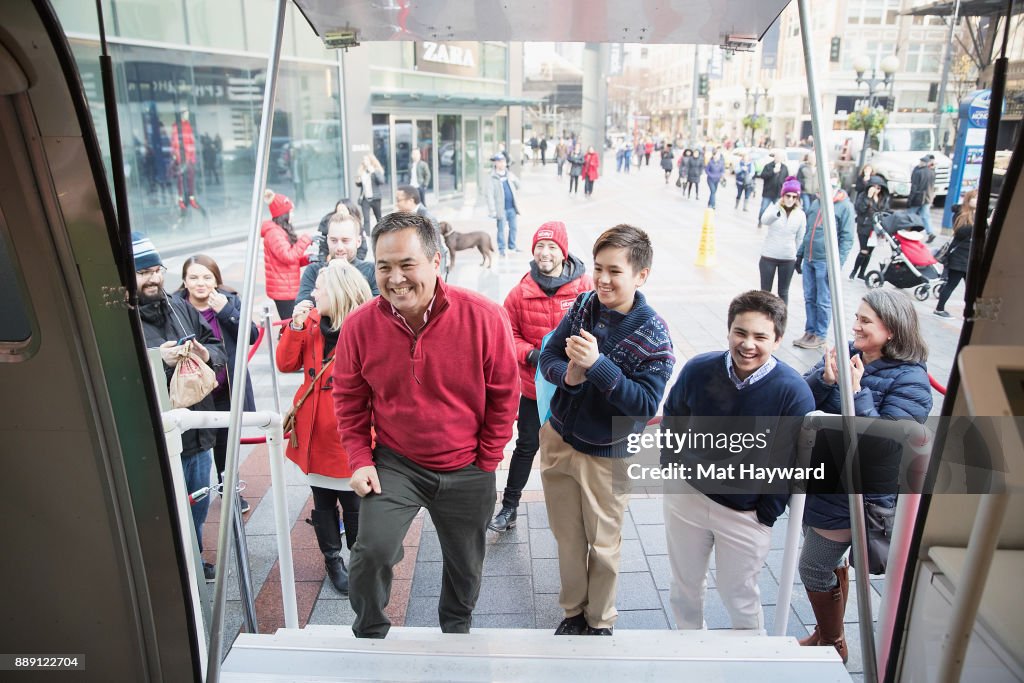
(548, 256)
(614, 279)
(150, 284)
(343, 240)
(869, 334)
(752, 340)
(200, 283)
(405, 276)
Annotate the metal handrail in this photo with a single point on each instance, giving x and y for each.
(917, 440)
(238, 383)
(181, 420)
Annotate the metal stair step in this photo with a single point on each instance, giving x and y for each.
(332, 653)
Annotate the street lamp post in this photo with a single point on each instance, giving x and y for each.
(888, 67)
(756, 91)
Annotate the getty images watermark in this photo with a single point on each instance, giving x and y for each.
(664, 440)
(773, 455)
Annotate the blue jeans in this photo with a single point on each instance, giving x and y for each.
(817, 298)
(509, 218)
(924, 211)
(765, 202)
(713, 188)
(197, 475)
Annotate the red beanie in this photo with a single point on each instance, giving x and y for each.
(554, 231)
(279, 204)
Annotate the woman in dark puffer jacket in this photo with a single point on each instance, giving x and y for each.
(890, 380)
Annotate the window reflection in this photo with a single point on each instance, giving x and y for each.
(189, 127)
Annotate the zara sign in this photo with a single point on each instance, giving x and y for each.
(456, 58)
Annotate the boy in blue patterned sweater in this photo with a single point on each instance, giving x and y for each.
(610, 359)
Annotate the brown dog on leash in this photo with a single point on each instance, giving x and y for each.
(457, 241)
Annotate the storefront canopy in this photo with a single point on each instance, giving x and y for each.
(406, 97)
(968, 8)
(706, 22)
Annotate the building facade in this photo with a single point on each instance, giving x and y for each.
(190, 76)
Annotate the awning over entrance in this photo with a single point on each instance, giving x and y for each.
(968, 8)
(407, 97)
(708, 22)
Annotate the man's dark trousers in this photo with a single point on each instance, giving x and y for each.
(527, 445)
(460, 504)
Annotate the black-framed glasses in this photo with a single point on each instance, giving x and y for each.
(149, 272)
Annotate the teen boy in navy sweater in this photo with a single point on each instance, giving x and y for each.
(747, 381)
(610, 357)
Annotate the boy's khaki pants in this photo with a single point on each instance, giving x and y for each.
(585, 514)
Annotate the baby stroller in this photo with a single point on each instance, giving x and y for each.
(912, 264)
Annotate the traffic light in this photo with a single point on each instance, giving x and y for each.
(702, 86)
(833, 51)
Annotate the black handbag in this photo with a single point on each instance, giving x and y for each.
(879, 521)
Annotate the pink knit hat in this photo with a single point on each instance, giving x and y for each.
(792, 185)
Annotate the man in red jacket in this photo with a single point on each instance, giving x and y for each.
(535, 307)
(432, 369)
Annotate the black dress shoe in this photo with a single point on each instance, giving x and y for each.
(504, 520)
(573, 626)
(591, 631)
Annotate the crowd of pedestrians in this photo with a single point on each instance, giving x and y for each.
(411, 387)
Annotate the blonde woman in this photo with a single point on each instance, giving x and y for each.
(308, 344)
(369, 180)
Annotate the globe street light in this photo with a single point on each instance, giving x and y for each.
(755, 90)
(888, 67)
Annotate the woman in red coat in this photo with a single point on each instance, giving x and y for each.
(284, 253)
(308, 344)
(590, 163)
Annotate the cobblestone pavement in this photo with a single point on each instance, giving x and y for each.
(520, 574)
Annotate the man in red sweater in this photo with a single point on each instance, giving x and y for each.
(432, 369)
(535, 307)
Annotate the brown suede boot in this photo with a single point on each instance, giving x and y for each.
(828, 610)
(843, 575)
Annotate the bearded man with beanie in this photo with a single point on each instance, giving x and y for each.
(165, 320)
(535, 307)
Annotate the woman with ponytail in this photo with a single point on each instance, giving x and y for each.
(284, 253)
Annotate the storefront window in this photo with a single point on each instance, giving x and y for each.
(449, 153)
(189, 129)
(382, 150)
(207, 21)
(493, 60)
(473, 159)
(426, 145)
(502, 130)
(156, 20)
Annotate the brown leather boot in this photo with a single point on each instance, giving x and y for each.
(828, 610)
(843, 575)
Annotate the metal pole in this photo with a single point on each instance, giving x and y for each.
(790, 556)
(693, 97)
(242, 348)
(278, 482)
(941, 99)
(984, 540)
(859, 543)
(268, 332)
(244, 574)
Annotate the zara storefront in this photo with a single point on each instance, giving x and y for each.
(189, 76)
(455, 102)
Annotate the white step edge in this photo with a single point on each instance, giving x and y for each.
(632, 645)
